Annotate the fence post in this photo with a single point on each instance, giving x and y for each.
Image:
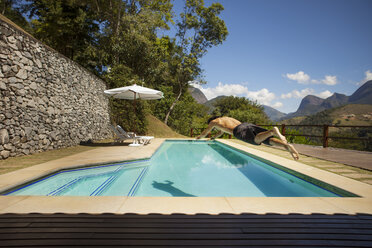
(191, 132)
(325, 136)
(283, 129)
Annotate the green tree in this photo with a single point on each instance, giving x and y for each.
(70, 26)
(12, 11)
(198, 29)
(133, 52)
(241, 109)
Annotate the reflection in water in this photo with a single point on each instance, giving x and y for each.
(167, 187)
(233, 157)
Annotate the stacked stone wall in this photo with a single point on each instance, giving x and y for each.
(46, 100)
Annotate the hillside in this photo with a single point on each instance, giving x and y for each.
(350, 114)
(210, 103)
(158, 129)
(363, 95)
(273, 114)
(313, 104)
(197, 95)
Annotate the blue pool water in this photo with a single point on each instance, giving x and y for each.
(179, 168)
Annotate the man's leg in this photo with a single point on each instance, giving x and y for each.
(219, 134)
(206, 131)
(260, 137)
(288, 147)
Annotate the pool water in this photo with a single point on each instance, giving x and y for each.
(180, 169)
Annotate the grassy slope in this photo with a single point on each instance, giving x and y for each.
(158, 129)
(357, 109)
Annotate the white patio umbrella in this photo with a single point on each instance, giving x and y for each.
(134, 92)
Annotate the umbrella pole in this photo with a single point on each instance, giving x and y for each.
(134, 107)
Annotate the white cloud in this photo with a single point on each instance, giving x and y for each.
(324, 94)
(303, 78)
(305, 92)
(330, 80)
(297, 94)
(263, 96)
(277, 105)
(368, 76)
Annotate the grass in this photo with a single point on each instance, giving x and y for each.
(158, 129)
(16, 163)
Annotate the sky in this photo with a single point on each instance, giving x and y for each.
(279, 51)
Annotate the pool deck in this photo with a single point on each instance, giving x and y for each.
(184, 205)
(359, 159)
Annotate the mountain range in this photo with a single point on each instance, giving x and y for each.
(309, 105)
(312, 104)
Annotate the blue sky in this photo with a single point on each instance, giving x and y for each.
(279, 51)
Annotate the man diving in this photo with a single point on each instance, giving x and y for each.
(249, 133)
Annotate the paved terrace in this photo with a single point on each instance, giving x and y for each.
(184, 221)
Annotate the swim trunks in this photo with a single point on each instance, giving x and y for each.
(248, 131)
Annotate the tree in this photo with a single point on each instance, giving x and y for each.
(12, 10)
(132, 51)
(198, 29)
(241, 109)
(67, 26)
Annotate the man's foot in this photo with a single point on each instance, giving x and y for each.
(293, 152)
(279, 135)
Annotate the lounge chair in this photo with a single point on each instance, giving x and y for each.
(121, 137)
(137, 140)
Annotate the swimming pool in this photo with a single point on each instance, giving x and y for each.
(187, 169)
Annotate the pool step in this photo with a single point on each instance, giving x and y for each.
(132, 191)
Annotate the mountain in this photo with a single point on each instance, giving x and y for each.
(363, 95)
(210, 103)
(313, 104)
(273, 114)
(335, 100)
(309, 104)
(197, 95)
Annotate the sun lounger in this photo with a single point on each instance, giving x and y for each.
(137, 140)
(123, 136)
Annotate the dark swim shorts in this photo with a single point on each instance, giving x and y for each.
(247, 132)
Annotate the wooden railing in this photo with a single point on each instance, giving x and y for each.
(324, 137)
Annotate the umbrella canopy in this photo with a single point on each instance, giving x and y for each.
(134, 92)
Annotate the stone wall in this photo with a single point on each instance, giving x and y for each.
(46, 100)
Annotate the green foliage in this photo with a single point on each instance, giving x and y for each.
(241, 109)
(198, 28)
(13, 12)
(297, 139)
(67, 26)
(188, 113)
(362, 145)
(119, 40)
